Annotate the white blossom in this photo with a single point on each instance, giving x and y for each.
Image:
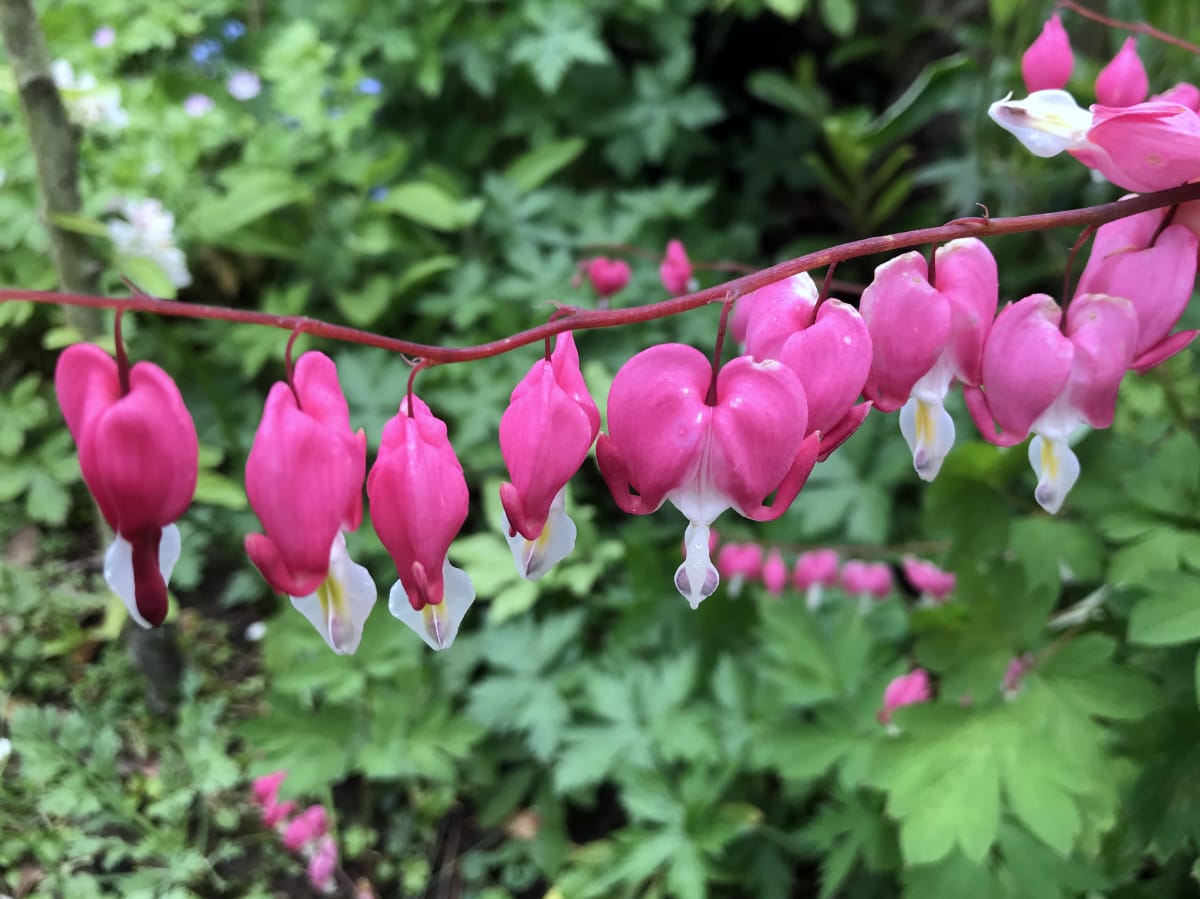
(88, 103)
(148, 231)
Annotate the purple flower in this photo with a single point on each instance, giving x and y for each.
(233, 29)
(244, 85)
(378, 193)
(205, 50)
(197, 105)
(104, 37)
(370, 86)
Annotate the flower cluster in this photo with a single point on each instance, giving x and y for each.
(304, 833)
(146, 230)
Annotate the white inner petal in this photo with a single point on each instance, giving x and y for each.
(696, 579)
(536, 557)
(118, 574)
(339, 608)
(1046, 122)
(1057, 470)
(928, 430)
(437, 624)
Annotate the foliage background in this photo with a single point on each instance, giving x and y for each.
(591, 737)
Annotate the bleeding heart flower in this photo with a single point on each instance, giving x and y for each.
(1036, 378)
(925, 337)
(1047, 63)
(867, 578)
(908, 689)
(607, 276)
(139, 456)
(775, 573)
(1157, 279)
(418, 504)
(738, 563)
(927, 579)
(545, 434)
(675, 271)
(671, 439)
(304, 478)
(1123, 81)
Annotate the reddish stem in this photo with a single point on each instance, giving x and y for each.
(711, 398)
(1135, 27)
(412, 376)
(122, 358)
(287, 363)
(582, 320)
(1084, 237)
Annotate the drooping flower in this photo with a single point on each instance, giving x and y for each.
(873, 579)
(667, 442)
(323, 865)
(1015, 674)
(907, 689)
(928, 579)
(925, 336)
(1123, 82)
(675, 270)
(139, 456)
(304, 478)
(147, 231)
(266, 796)
(419, 502)
(545, 434)
(831, 354)
(1047, 64)
(1157, 279)
(607, 276)
(1038, 379)
(1146, 147)
(307, 827)
(815, 570)
(775, 573)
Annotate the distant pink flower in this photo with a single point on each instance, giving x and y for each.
(1017, 669)
(907, 689)
(104, 37)
(818, 567)
(307, 827)
(867, 578)
(266, 787)
(607, 276)
(1048, 62)
(323, 865)
(1123, 81)
(675, 269)
(197, 105)
(1184, 93)
(775, 573)
(928, 579)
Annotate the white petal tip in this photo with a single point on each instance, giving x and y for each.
(339, 608)
(438, 624)
(535, 558)
(696, 579)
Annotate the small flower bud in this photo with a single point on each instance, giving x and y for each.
(1047, 63)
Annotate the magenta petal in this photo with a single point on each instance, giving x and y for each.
(758, 426)
(832, 358)
(1161, 352)
(1123, 82)
(1026, 363)
(657, 420)
(843, 430)
(1047, 64)
(1103, 330)
(776, 312)
(909, 323)
(968, 279)
(1150, 146)
(419, 499)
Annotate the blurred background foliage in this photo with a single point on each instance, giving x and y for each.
(436, 169)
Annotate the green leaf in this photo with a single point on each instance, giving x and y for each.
(564, 35)
(430, 205)
(840, 15)
(1170, 614)
(147, 275)
(787, 9)
(80, 224)
(534, 168)
(252, 195)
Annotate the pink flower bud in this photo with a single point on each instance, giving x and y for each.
(1123, 81)
(907, 689)
(545, 434)
(1048, 62)
(1017, 669)
(818, 567)
(139, 457)
(304, 479)
(419, 502)
(307, 827)
(927, 578)
(607, 276)
(867, 578)
(675, 269)
(1184, 93)
(775, 573)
